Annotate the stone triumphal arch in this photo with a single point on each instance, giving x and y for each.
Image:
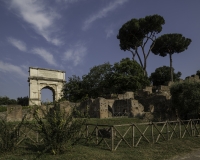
(40, 78)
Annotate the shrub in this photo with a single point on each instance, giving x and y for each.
(9, 134)
(3, 108)
(58, 129)
(186, 99)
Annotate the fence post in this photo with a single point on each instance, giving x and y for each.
(191, 127)
(152, 132)
(112, 139)
(87, 131)
(96, 134)
(133, 135)
(179, 127)
(167, 128)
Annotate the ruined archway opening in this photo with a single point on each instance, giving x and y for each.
(47, 95)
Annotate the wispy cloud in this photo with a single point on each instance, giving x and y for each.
(68, 1)
(47, 56)
(25, 67)
(76, 54)
(102, 13)
(40, 17)
(6, 67)
(109, 32)
(17, 43)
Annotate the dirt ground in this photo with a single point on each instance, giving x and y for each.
(194, 155)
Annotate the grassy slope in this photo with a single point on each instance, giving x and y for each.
(161, 150)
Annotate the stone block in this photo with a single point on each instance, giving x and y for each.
(163, 88)
(103, 108)
(149, 89)
(126, 95)
(136, 109)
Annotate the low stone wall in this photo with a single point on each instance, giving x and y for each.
(14, 113)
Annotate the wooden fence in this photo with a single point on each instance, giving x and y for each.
(131, 135)
(28, 134)
(125, 135)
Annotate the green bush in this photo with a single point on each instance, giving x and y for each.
(58, 129)
(186, 99)
(9, 135)
(3, 108)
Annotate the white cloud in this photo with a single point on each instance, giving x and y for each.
(40, 17)
(17, 43)
(109, 32)
(48, 57)
(6, 67)
(102, 13)
(76, 54)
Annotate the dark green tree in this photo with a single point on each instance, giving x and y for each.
(169, 44)
(23, 101)
(136, 33)
(198, 73)
(162, 75)
(7, 101)
(74, 90)
(128, 75)
(97, 81)
(102, 80)
(186, 99)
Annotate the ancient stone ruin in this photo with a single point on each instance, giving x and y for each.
(122, 105)
(150, 103)
(40, 78)
(14, 113)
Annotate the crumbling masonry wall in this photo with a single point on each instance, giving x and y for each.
(121, 105)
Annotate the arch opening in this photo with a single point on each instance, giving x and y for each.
(47, 95)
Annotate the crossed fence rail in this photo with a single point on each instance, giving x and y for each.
(126, 135)
(27, 133)
(131, 135)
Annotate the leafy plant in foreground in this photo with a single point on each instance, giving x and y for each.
(9, 134)
(59, 130)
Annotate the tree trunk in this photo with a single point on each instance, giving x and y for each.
(145, 66)
(171, 70)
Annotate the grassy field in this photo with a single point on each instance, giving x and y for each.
(145, 151)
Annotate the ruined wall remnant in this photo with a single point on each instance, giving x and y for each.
(122, 105)
(193, 78)
(83, 107)
(66, 106)
(137, 109)
(156, 106)
(126, 95)
(14, 113)
(99, 108)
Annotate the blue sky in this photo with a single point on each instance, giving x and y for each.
(75, 35)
